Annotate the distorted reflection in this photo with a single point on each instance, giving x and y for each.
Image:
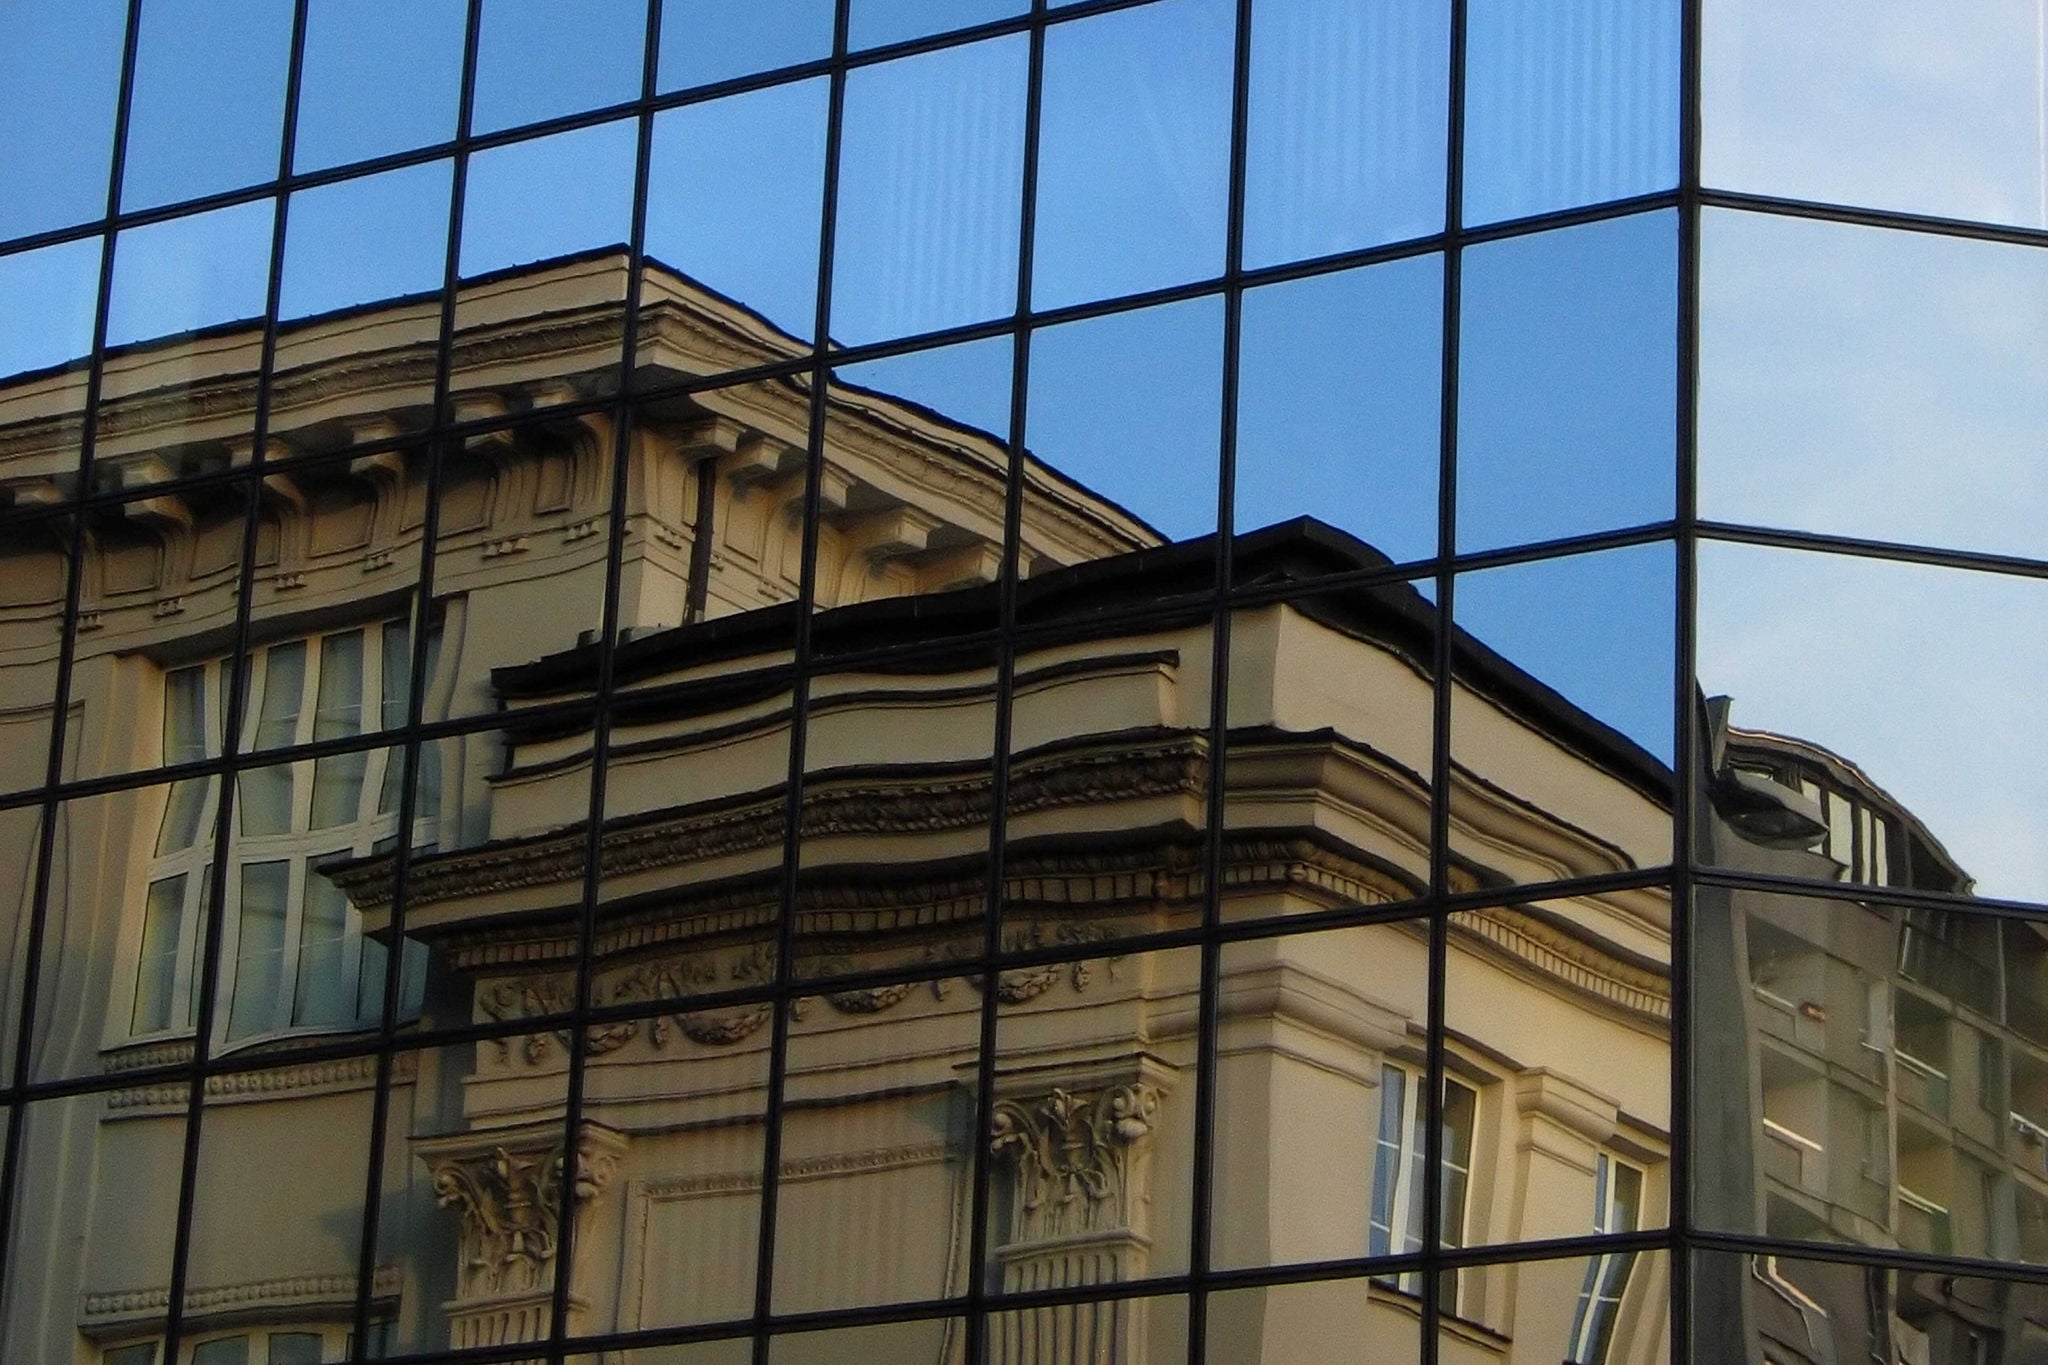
(1556, 1118)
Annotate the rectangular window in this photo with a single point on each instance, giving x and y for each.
(1617, 1207)
(1397, 1181)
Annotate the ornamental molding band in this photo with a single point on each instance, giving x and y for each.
(131, 1310)
(505, 1185)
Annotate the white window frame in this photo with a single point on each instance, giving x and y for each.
(1399, 1233)
(1607, 1275)
(299, 846)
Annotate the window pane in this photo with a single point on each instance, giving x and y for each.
(377, 78)
(259, 948)
(705, 41)
(367, 241)
(190, 130)
(47, 301)
(1134, 153)
(876, 23)
(188, 273)
(1891, 104)
(295, 1348)
(1568, 102)
(222, 1351)
(1348, 123)
(60, 65)
(539, 59)
(157, 968)
(930, 192)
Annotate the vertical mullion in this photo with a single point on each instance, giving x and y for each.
(1685, 757)
(1433, 1076)
(622, 411)
(799, 708)
(1207, 1009)
(977, 1334)
(416, 683)
(213, 925)
(53, 772)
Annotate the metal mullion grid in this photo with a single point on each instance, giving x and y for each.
(46, 834)
(1207, 1007)
(975, 1344)
(785, 980)
(369, 1226)
(600, 733)
(213, 903)
(1442, 696)
(1685, 734)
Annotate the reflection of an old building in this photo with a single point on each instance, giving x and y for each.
(1888, 1084)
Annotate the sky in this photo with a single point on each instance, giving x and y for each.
(1853, 380)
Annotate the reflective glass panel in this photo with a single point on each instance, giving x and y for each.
(706, 41)
(377, 78)
(1561, 1012)
(1609, 1308)
(753, 241)
(47, 300)
(61, 69)
(1568, 102)
(1347, 126)
(537, 60)
(1561, 724)
(876, 23)
(21, 846)
(366, 241)
(1568, 381)
(1339, 404)
(1884, 103)
(1843, 672)
(1144, 1331)
(1126, 409)
(190, 132)
(1884, 385)
(530, 201)
(187, 273)
(930, 191)
(35, 577)
(1323, 1322)
(939, 1340)
(1134, 152)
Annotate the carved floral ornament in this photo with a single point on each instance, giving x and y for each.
(508, 1194)
(677, 977)
(1077, 1159)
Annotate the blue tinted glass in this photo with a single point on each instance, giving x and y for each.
(1128, 406)
(930, 191)
(363, 240)
(46, 304)
(1568, 381)
(874, 23)
(968, 384)
(1595, 628)
(190, 272)
(60, 71)
(755, 238)
(705, 41)
(378, 76)
(1568, 102)
(538, 59)
(548, 197)
(208, 107)
(1134, 151)
(1339, 403)
(1348, 125)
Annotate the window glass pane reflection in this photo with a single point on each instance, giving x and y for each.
(706, 41)
(536, 59)
(188, 273)
(1887, 385)
(1568, 381)
(1128, 407)
(1910, 688)
(377, 78)
(191, 129)
(548, 197)
(1887, 104)
(930, 191)
(1347, 125)
(1134, 151)
(1568, 102)
(755, 238)
(1339, 394)
(61, 68)
(876, 23)
(362, 241)
(47, 299)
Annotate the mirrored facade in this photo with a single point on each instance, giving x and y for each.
(1110, 682)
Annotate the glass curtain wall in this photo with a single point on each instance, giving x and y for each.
(1172, 682)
